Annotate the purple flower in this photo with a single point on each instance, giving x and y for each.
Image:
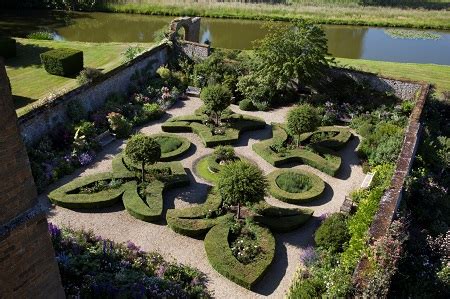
(308, 256)
(161, 270)
(133, 247)
(55, 232)
(85, 159)
(323, 217)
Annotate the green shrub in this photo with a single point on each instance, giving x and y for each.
(152, 111)
(76, 111)
(281, 219)
(216, 99)
(295, 186)
(224, 153)
(246, 105)
(86, 128)
(142, 149)
(333, 233)
(119, 125)
(168, 143)
(63, 61)
(88, 75)
(7, 47)
(41, 35)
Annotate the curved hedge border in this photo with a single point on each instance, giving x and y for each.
(195, 123)
(222, 259)
(170, 156)
(148, 209)
(323, 159)
(318, 186)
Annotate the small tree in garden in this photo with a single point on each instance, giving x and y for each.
(225, 153)
(302, 119)
(241, 183)
(216, 98)
(144, 150)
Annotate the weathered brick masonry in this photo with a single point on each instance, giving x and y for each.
(28, 268)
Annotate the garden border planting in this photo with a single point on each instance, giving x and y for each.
(315, 192)
(181, 150)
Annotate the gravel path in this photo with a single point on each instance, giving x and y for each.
(116, 224)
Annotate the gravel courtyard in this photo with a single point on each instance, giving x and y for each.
(116, 224)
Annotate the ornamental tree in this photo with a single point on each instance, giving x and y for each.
(241, 183)
(216, 98)
(302, 119)
(144, 150)
(293, 54)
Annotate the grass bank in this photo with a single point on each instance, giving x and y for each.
(31, 83)
(438, 75)
(323, 12)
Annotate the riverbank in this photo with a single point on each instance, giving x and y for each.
(340, 14)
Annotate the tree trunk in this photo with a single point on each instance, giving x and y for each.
(239, 211)
(298, 141)
(143, 171)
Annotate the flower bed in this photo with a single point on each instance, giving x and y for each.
(144, 202)
(94, 267)
(295, 186)
(234, 125)
(317, 154)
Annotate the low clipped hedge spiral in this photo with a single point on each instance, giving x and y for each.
(63, 61)
(317, 187)
(195, 123)
(223, 261)
(7, 47)
(281, 219)
(184, 146)
(318, 156)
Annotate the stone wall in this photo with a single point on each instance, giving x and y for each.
(27, 260)
(195, 51)
(45, 118)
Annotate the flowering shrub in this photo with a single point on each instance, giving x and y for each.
(94, 267)
(119, 124)
(244, 244)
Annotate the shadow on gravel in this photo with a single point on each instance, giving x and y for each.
(259, 135)
(302, 238)
(349, 157)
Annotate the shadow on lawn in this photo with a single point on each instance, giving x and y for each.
(20, 101)
(27, 55)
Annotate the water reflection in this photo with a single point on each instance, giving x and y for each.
(343, 41)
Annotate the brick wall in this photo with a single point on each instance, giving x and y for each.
(28, 268)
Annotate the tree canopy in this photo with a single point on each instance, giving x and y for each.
(302, 119)
(144, 150)
(216, 98)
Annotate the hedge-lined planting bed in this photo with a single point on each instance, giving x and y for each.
(316, 155)
(222, 259)
(236, 124)
(314, 190)
(146, 205)
(172, 146)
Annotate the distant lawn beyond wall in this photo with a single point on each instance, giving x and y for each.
(344, 12)
(31, 83)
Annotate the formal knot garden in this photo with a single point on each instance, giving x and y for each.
(243, 182)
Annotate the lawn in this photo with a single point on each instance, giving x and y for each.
(439, 75)
(31, 83)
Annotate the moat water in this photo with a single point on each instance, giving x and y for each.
(343, 41)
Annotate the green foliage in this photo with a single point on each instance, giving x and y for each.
(131, 53)
(246, 105)
(63, 61)
(224, 153)
(256, 89)
(86, 128)
(333, 233)
(302, 119)
(88, 75)
(41, 35)
(7, 47)
(142, 149)
(216, 99)
(76, 111)
(119, 125)
(168, 143)
(242, 182)
(294, 53)
(295, 186)
(164, 73)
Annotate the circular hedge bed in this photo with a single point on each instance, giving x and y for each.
(295, 186)
(172, 146)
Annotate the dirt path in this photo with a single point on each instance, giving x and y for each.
(116, 224)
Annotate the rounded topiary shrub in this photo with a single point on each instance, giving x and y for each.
(295, 186)
(333, 233)
(172, 146)
(246, 105)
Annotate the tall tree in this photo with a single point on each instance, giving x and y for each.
(302, 119)
(216, 98)
(292, 54)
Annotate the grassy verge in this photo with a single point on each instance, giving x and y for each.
(439, 75)
(31, 83)
(319, 12)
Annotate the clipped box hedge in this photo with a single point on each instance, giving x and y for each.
(63, 61)
(181, 150)
(223, 261)
(7, 47)
(315, 192)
